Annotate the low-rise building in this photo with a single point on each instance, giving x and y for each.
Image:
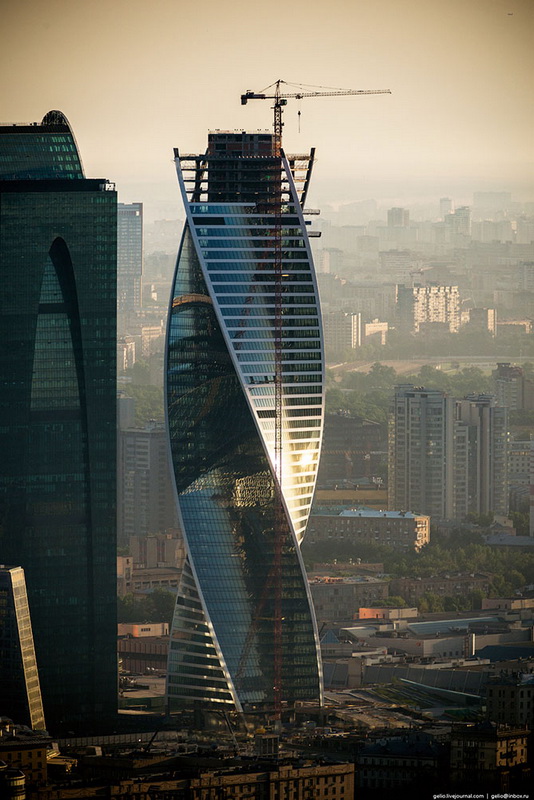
(413, 761)
(132, 581)
(144, 580)
(489, 755)
(510, 699)
(257, 781)
(443, 585)
(142, 654)
(508, 603)
(515, 326)
(400, 530)
(142, 630)
(341, 598)
(376, 331)
(322, 782)
(387, 613)
(24, 750)
(369, 494)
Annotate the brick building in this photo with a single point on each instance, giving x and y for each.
(24, 750)
(510, 700)
(487, 755)
(400, 530)
(341, 598)
(353, 448)
(412, 589)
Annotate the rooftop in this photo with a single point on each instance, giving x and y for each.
(362, 511)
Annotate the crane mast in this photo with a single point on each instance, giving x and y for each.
(275, 576)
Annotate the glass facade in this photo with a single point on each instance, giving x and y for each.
(244, 501)
(57, 413)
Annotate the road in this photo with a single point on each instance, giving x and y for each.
(409, 366)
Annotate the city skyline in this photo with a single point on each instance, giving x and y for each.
(458, 120)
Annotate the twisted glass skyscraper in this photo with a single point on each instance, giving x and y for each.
(244, 386)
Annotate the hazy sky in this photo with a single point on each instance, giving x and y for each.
(138, 77)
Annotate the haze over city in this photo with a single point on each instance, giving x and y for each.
(137, 79)
(266, 399)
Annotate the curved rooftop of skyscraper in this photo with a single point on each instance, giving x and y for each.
(27, 154)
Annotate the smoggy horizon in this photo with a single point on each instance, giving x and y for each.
(136, 80)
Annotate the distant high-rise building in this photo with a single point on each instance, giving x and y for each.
(460, 223)
(446, 206)
(342, 331)
(245, 384)
(57, 411)
(330, 260)
(447, 457)
(481, 456)
(129, 257)
(398, 217)
(353, 448)
(428, 305)
(489, 205)
(145, 492)
(520, 466)
(20, 691)
(421, 450)
(157, 550)
(399, 264)
(512, 387)
(482, 320)
(526, 273)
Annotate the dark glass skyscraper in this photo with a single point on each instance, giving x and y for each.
(57, 412)
(244, 391)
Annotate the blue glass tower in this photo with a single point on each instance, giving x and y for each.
(57, 413)
(244, 389)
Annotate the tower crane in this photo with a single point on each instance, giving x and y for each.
(274, 578)
(280, 100)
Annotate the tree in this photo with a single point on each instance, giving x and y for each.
(432, 378)
(139, 373)
(451, 603)
(155, 607)
(521, 523)
(430, 602)
(394, 601)
(163, 603)
(148, 402)
(382, 377)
